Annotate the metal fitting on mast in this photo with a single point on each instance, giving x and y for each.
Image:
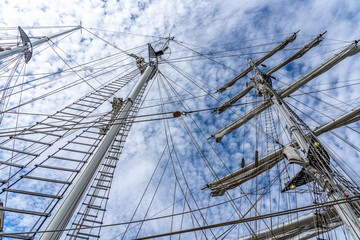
(116, 103)
(26, 42)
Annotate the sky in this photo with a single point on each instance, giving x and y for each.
(213, 40)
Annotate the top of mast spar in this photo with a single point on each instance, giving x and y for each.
(27, 45)
(154, 55)
(245, 91)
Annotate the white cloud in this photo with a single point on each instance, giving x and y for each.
(204, 26)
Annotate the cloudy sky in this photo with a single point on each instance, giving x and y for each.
(213, 40)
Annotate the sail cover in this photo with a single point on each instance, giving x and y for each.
(242, 175)
(304, 227)
(268, 55)
(296, 55)
(348, 51)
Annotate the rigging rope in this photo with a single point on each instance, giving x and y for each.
(244, 220)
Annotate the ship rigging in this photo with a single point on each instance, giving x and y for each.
(270, 172)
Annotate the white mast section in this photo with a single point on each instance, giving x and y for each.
(23, 49)
(250, 171)
(296, 55)
(350, 50)
(66, 210)
(271, 53)
(322, 175)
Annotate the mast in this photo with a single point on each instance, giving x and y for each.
(116, 118)
(63, 215)
(27, 45)
(250, 171)
(296, 55)
(316, 161)
(268, 55)
(350, 50)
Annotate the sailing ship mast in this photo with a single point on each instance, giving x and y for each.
(103, 149)
(313, 159)
(350, 50)
(90, 157)
(62, 217)
(28, 46)
(293, 57)
(316, 161)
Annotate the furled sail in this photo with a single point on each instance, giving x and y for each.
(304, 227)
(271, 53)
(243, 175)
(350, 50)
(296, 55)
(219, 187)
(234, 99)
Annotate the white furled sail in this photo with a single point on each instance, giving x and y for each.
(296, 55)
(238, 177)
(268, 55)
(350, 50)
(304, 227)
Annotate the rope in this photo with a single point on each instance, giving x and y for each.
(244, 220)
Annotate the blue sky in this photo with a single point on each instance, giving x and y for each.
(205, 27)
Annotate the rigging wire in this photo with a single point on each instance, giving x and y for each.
(55, 91)
(135, 34)
(247, 40)
(214, 56)
(209, 58)
(336, 135)
(107, 42)
(5, 98)
(13, 146)
(164, 118)
(37, 27)
(243, 220)
(212, 171)
(89, 74)
(62, 88)
(178, 160)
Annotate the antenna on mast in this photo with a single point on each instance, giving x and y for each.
(155, 54)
